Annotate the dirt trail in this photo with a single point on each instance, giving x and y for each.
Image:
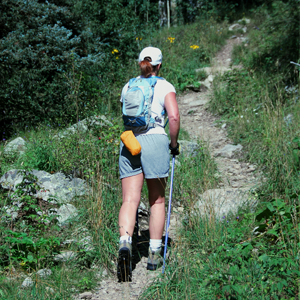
(236, 179)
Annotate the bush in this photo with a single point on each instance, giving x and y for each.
(46, 49)
(275, 42)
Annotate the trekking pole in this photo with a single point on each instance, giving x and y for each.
(137, 225)
(169, 214)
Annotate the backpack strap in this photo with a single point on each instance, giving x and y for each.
(131, 81)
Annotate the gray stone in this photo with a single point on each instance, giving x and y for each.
(288, 119)
(188, 148)
(207, 82)
(69, 241)
(244, 40)
(50, 290)
(85, 125)
(66, 212)
(291, 89)
(228, 151)
(86, 295)
(220, 202)
(250, 169)
(223, 126)
(44, 273)
(214, 70)
(244, 20)
(177, 163)
(233, 37)
(86, 243)
(143, 210)
(28, 282)
(53, 185)
(11, 212)
(142, 206)
(180, 209)
(205, 85)
(10, 179)
(210, 78)
(198, 102)
(65, 256)
(17, 145)
(235, 26)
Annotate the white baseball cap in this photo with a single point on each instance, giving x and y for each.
(152, 52)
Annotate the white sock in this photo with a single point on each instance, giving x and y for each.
(126, 238)
(155, 244)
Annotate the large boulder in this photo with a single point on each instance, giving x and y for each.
(52, 185)
(219, 202)
(66, 212)
(17, 145)
(202, 86)
(235, 26)
(85, 125)
(228, 151)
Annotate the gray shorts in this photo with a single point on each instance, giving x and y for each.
(153, 161)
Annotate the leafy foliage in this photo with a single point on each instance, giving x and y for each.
(41, 43)
(225, 260)
(276, 39)
(27, 242)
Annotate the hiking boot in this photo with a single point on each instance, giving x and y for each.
(154, 259)
(124, 268)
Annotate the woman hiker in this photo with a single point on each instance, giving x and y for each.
(152, 164)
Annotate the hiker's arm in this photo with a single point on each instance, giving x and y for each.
(174, 118)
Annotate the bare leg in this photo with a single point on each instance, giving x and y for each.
(156, 190)
(131, 190)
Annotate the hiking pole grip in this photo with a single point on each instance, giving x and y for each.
(169, 213)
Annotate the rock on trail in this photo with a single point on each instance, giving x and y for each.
(237, 178)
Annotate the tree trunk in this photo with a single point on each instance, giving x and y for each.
(168, 12)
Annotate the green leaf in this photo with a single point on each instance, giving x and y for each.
(30, 258)
(264, 257)
(265, 214)
(237, 289)
(270, 207)
(273, 231)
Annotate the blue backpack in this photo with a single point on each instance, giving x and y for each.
(137, 102)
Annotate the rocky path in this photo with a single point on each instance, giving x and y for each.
(237, 178)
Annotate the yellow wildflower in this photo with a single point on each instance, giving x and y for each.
(117, 57)
(170, 39)
(114, 51)
(194, 47)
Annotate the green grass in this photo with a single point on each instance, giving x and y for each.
(61, 284)
(223, 259)
(210, 258)
(180, 60)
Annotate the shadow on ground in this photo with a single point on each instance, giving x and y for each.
(140, 246)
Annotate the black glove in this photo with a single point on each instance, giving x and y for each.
(176, 150)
